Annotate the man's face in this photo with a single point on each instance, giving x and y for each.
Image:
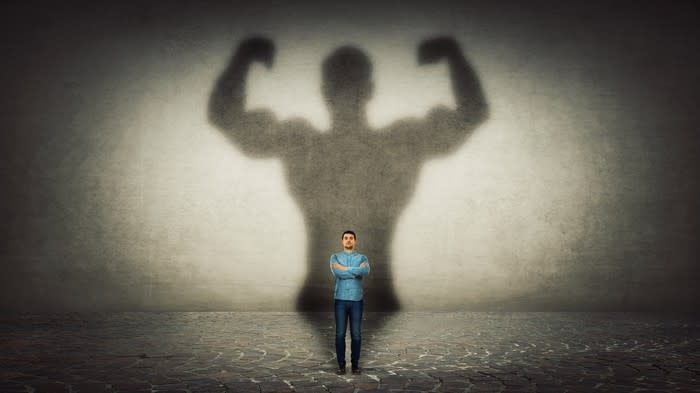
(348, 241)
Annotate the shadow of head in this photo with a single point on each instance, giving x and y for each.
(347, 81)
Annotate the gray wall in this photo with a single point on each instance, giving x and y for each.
(579, 192)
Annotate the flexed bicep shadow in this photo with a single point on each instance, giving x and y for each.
(352, 177)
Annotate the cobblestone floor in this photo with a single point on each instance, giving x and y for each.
(408, 352)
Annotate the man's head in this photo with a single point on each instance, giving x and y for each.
(348, 239)
(347, 79)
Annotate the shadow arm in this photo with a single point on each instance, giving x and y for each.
(254, 131)
(446, 129)
(472, 108)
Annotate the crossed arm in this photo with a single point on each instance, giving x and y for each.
(349, 272)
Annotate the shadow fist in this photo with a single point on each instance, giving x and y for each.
(258, 49)
(435, 49)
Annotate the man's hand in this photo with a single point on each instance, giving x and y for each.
(339, 266)
(363, 264)
(435, 49)
(259, 49)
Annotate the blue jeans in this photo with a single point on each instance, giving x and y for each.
(344, 310)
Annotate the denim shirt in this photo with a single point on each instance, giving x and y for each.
(348, 283)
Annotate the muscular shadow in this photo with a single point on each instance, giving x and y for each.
(351, 177)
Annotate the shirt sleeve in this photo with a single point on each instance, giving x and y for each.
(360, 271)
(341, 274)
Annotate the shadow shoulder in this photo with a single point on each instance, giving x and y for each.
(416, 123)
(412, 125)
(299, 125)
(440, 112)
(406, 124)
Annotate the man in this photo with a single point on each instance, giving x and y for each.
(351, 175)
(348, 267)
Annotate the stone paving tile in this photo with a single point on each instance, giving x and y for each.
(403, 352)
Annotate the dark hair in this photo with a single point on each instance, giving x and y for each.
(350, 232)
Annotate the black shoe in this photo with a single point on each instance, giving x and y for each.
(357, 371)
(341, 370)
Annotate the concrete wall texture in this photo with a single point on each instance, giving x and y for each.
(577, 191)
